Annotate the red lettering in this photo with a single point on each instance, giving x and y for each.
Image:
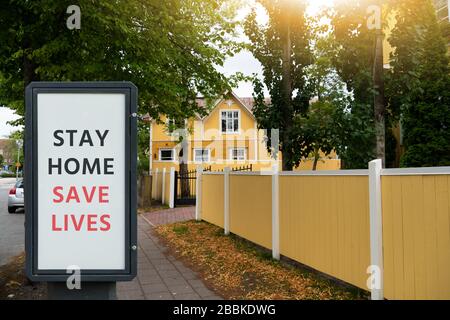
(104, 219)
(77, 225)
(54, 228)
(90, 196)
(59, 195)
(91, 222)
(88, 222)
(73, 194)
(103, 192)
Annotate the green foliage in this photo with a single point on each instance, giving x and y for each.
(419, 84)
(353, 61)
(2, 159)
(169, 49)
(143, 141)
(267, 46)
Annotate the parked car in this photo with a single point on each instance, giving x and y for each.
(15, 197)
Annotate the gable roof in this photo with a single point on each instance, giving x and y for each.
(246, 102)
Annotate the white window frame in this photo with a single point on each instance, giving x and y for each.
(203, 149)
(226, 129)
(167, 149)
(231, 154)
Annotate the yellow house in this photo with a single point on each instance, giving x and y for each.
(226, 137)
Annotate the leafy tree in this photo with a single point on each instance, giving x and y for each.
(419, 84)
(353, 61)
(318, 128)
(2, 159)
(283, 48)
(169, 49)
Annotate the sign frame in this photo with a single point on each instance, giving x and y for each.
(31, 179)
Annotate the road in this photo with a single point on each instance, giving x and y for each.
(12, 235)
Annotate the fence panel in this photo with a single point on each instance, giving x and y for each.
(251, 208)
(157, 185)
(167, 187)
(416, 236)
(324, 223)
(212, 198)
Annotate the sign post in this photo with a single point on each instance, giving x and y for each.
(80, 182)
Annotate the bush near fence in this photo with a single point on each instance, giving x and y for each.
(341, 222)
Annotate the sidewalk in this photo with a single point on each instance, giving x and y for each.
(161, 276)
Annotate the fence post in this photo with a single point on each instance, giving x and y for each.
(275, 214)
(156, 184)
(226, 200)
(375, 281)
(172, 188)
(163, 186)
(198, 194)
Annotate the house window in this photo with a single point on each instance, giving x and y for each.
(238, 154)
(230, 121)
(166, 155)
(201, 155)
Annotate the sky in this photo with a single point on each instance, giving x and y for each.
(243, 62)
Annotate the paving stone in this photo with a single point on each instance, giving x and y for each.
(159, 296)
(161, 276)
(187, 296)
(154, 288)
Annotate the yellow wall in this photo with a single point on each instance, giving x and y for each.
(416, 236)
(251, 208)
(212, 198)
(167, 188)
(212, 125)
(324, 223)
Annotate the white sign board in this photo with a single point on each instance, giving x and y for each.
(81, 166)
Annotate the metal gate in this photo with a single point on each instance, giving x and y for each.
(186, 183)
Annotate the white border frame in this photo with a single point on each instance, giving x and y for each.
(165, 149)
(239, 121)
(230, 154)
(200, 162)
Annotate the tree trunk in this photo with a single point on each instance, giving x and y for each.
(183, 173)
(184, 186)
(379, 104)
(316, 159)
(287, 110)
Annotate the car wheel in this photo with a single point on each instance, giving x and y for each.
(11, 209)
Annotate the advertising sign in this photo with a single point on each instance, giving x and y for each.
(80, 180)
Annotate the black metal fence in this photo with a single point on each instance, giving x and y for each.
(186, 183)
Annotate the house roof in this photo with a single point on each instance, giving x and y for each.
(247, 102)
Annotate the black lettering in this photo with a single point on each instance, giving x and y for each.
(86, 137)
(88, 167)
(52, 166)
(71, 132)
(77, 166)
(107, 166)
(102, 137)
(60, 139)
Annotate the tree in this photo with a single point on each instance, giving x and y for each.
(283, 48)
(318, 127)
(419, 84)
(354, 62)
(322, 121)
(169, 49)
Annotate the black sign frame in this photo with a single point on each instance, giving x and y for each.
(31, 179)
